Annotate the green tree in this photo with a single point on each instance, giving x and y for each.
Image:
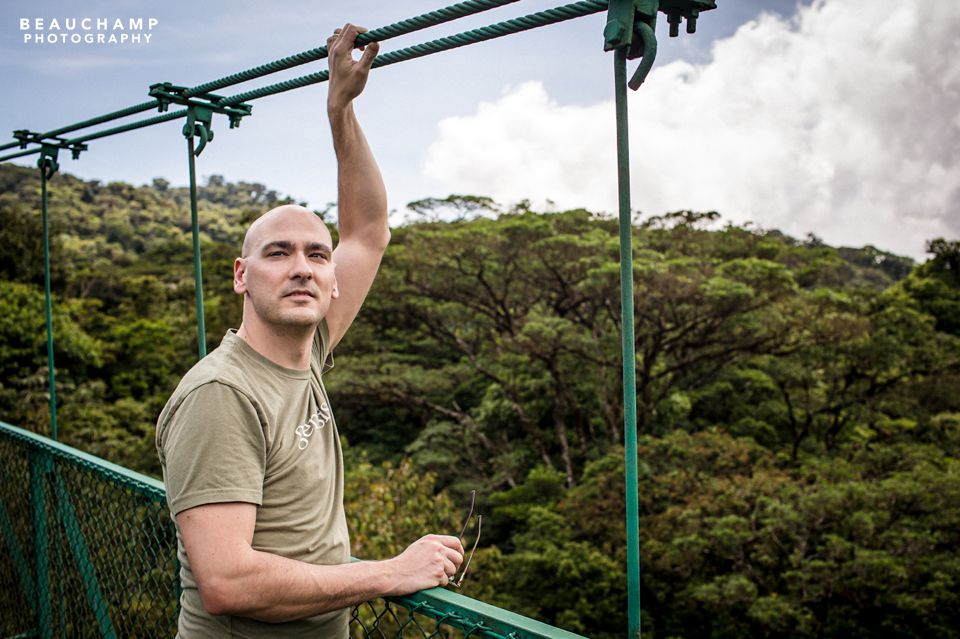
(935, 285)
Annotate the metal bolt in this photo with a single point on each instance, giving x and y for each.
(674, 19)
(614, 32)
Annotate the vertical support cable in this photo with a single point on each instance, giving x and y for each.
(47, 165)
(629, 348)
(197, 275)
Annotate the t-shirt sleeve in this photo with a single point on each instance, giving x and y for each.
(321, 350)
(214, 449)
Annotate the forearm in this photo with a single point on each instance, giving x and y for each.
(362, 196)
(271, 588)
(235, 579)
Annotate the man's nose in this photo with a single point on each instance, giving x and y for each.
(300, 269)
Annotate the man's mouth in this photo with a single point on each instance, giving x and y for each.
(300, 292)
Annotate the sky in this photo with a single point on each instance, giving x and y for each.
(839, 118)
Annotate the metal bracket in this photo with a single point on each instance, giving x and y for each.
(200, 110)
(199, 124)
(25, 137)
(48, 160)
(633, 23)
(678, 10)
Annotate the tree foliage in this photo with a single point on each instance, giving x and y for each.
(798, 404)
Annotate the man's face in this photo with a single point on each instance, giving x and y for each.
(287, 271)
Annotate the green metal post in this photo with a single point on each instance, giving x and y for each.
(81, 555)
(48, 164)
(40, 466)
(197, 275)
(629, 348)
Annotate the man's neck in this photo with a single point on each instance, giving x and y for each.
(289, 348)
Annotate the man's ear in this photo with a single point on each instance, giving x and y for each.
(240, 276)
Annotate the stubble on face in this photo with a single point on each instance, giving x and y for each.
(286, 289)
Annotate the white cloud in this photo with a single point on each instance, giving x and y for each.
(839, 121)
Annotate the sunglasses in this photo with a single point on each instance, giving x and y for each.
(456, 581)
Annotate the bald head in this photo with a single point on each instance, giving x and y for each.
(274, 220)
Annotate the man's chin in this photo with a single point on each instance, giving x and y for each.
(302, 319)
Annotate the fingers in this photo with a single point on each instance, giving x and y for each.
(454, 557)
(450, 542)
(369, 53)
(344, 38)
(431, 561)
(333, 38)
(449, 568)
(348, 77)
(448, 548)
(449, 555)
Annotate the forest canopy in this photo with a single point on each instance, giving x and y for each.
(798, 403)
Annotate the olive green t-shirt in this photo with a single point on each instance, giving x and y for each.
(241, 428)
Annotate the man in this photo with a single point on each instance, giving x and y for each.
(250, 451)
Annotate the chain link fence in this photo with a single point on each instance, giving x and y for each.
(89, 546)
(88, 549)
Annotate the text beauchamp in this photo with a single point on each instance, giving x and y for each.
(87, 30)
(87, 24)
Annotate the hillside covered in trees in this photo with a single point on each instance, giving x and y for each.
(799, 404)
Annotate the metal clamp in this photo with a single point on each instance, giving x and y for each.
(633, 23)
(689, 10)
(167, 94)
(25, 137)
(199, 124)
(200, 110)
(47, 163)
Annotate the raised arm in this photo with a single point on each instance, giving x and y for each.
(234, 579)
(362, 199)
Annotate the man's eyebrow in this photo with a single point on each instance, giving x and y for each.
(276, 244)
(318, 246)
(289, 246)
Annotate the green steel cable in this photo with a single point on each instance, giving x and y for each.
(507, 27)
(139, 108)
(516, 25)
(20, 154)
(629, 348)
(380, 34)
(195, 227)
(167, 117)
(47, 166)
(409, 25)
